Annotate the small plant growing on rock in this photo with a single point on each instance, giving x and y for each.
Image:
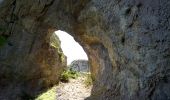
(68, 74)
(64, 77)
(88, 81)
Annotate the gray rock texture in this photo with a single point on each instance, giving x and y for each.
(127, 42)
(80, 66)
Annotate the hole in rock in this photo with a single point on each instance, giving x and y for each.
(71, 48)
(76, 82)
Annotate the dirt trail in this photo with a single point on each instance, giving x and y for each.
(74, 90)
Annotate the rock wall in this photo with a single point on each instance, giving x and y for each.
(127, 42)
(80, 66)
(31, 59)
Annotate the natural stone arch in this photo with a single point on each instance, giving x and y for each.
(127, 41)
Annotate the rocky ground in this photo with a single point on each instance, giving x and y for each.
(74, 90)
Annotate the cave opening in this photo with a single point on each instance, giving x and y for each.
(79, 82)
(71, 49)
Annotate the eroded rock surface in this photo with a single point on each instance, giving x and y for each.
(127, 42)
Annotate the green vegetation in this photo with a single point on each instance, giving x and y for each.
(49, 95)
(88, 81)
(67, 74)
(3, 40)
(55, 43)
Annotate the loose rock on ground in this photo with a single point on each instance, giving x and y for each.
(74, 90)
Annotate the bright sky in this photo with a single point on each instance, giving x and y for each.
(70, 47)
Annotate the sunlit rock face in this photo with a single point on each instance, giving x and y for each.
(127, 42)
(80, 66)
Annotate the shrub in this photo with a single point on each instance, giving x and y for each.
(67, 74)
(64, 77)
(88, 81)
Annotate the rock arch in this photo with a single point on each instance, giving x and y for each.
(127, 42)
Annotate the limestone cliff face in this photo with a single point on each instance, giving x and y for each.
(31, 59)
(80, 66)
(127, 42)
